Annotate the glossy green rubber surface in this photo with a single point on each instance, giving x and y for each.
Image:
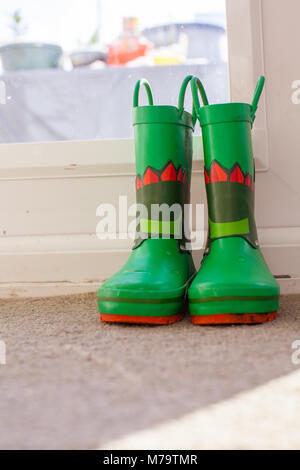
(153, 282)
(233, 278)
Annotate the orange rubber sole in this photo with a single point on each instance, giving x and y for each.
(233, 318)
(167, 320)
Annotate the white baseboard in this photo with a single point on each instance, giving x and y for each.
(59, 265)
(46, 289)
(85, 258)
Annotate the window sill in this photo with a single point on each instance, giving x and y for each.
(91, 159)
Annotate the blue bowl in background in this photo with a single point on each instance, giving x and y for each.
(29, 56)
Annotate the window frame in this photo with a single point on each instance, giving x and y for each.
(44, 159)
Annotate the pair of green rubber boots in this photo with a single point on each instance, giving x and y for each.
(159, 281)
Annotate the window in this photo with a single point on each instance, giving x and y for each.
(69, 67)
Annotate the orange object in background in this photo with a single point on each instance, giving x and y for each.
(125, 51)
(130, 46)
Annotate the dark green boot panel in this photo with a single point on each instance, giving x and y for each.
(157, 219)
(231, 211)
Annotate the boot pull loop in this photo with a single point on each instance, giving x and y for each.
(181, 97)
(197, 85)
(257, 94)
(136, 92)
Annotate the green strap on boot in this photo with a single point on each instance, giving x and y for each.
(151, 287)
(234, 284)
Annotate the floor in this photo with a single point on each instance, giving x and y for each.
(71, 382)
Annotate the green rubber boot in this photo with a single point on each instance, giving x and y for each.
(234, 284)
(152, 286)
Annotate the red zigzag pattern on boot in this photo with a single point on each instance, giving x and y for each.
(167, 173)
(217, 173)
